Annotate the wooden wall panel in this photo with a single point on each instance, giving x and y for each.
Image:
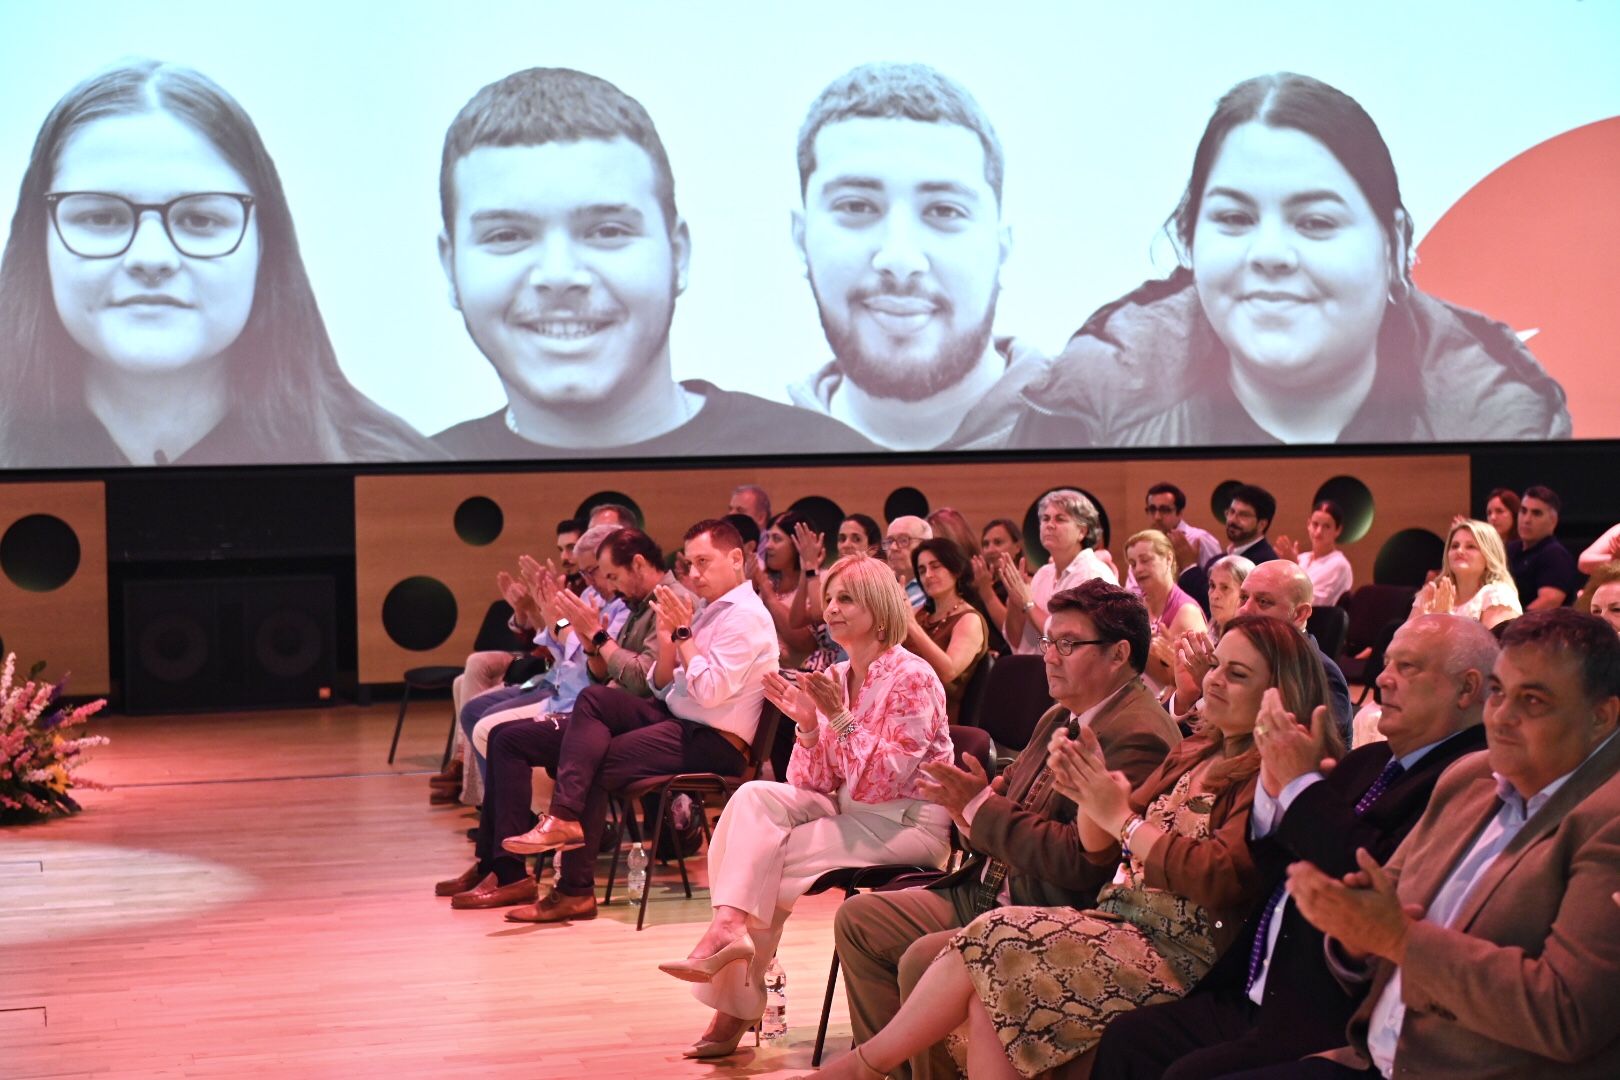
(405, 524)
(67, 626)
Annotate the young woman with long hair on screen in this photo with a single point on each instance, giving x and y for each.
(153, 305)
(1293, 317)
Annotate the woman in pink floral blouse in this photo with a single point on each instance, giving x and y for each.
(864, 729)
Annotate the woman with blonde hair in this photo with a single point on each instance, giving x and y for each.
(1474, 580)
(1036, 986)
(1152, 563)
(864, 729)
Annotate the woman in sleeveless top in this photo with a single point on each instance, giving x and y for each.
(950, 632)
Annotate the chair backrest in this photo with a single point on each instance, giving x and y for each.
(973, 695)
(494, 635)
(976, 741)
(1328, 625)
(759, 751)
(1372, 609)
(1015, 700)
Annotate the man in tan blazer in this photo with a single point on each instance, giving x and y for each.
(1023, 833)
(1489, 941)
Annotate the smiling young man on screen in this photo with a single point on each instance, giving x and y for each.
(903, 242)
(565, 254)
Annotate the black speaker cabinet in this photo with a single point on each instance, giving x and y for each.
(227, 643)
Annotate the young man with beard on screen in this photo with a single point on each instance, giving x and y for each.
(902, 241)
(565, 254)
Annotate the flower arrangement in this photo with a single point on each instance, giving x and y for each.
(37, 755)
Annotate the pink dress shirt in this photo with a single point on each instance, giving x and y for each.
(900, 724)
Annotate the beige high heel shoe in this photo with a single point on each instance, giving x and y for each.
(705, 969)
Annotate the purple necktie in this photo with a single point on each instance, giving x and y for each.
(1257, 953)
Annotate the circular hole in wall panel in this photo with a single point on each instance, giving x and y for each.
(39, 552)
(419, 613)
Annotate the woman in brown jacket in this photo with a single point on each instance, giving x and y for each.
(1037, 985)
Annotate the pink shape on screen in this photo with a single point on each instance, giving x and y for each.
(1536, 245)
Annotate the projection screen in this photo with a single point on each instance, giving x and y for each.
(510, 231)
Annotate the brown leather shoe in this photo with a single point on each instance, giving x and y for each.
(443, 796)
(556, 907)
(459, 884)
(552, 834)
(489, 894)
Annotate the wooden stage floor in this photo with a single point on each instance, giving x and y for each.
(254, 899)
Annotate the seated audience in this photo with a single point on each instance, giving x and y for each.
(1487, 943)
(1226, 577)
(1069, 528)
(948, 523)
(1502, 511)
(1026, 849)
(1604, 549)
(523, 732)
(536, 608)
(1000, 542)
(864, 729)
(1277, 589)
(1602, 594)
(1331, 575)
(1474, 581)
(1542, 566)
(1193, 546)
(779, 577)
(569, 530)
(1249, 514)
(905, 533)
(950, 632)
(1271, 997)
(1152, 563)
(708, 687)
(753, 502)
(1036, 986)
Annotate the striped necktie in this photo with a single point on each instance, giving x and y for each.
(995, 870)
(1390, 773)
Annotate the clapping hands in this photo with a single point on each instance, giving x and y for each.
(672, 609)
(1080, 772)
(1288, 750)
(811, 544)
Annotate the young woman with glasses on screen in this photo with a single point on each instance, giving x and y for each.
(153, 304)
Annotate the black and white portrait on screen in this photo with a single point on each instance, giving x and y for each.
(565, 256)
(154, 307)
(1293, 317)
(903, 241)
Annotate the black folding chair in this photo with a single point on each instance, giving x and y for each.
(697, 785)
(494, 635)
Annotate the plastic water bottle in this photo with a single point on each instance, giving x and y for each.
(638, 872)
(774, 1024)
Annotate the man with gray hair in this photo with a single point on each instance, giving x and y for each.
(902, 239)
(905, 533)
(1271, 997)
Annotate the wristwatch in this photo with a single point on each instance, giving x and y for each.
(812, 572)
(680, 633)
(559, 626)
(600, 638)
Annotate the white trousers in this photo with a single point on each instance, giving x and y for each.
(774, 840)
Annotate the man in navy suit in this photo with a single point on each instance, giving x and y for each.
(1271, 998)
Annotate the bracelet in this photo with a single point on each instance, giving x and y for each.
(806, 738)
(1029, 605)
(1128, 830)
(843, 723)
